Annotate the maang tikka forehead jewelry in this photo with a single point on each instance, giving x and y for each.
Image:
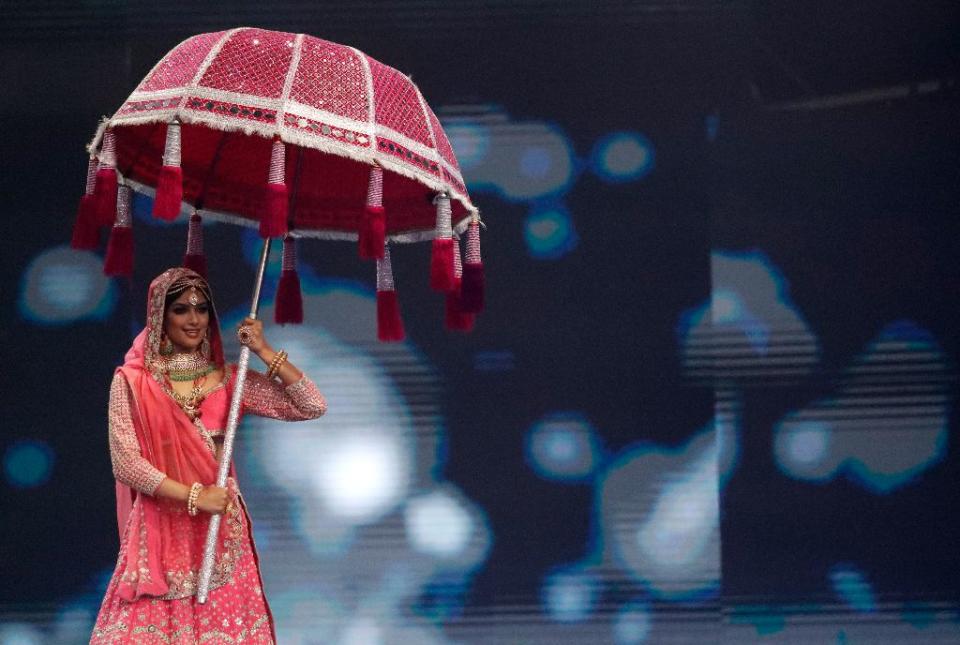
(195, 286)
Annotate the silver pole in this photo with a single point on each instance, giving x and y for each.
(210, 548)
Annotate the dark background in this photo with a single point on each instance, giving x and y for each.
(797, 129)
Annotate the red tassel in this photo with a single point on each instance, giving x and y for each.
(195, 259)
(472, 292)
(86, 233)
(169, 196)
(105, 196)
(289, 304)
(273, 221)
(105, 186)
(373, 227)
(389, 322)
(441, 257)
(196, 263)
(456, 318)
(441, 265)
(119, 259)
(373, 232)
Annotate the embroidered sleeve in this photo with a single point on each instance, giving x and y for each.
(129, 466)
(269, 398)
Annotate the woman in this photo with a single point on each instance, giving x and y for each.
(168, 410)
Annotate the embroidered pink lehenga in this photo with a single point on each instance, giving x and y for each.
(151, 595)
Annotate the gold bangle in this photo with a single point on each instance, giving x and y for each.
(278, 360)
(192, 499)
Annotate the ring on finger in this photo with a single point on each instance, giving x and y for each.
(245, 334)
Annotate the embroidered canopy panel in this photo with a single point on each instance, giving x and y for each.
(235, 91)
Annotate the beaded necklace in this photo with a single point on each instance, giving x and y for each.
(187, 367)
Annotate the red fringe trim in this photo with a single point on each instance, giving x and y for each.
(289, 304)
(389, 322)
(472, 293)
(442, 276)
(86, 232)
(273, 222)
(105, 196)
(373, 232)
(167, 203)
(119, 260)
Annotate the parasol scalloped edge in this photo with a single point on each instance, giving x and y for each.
(208, 95)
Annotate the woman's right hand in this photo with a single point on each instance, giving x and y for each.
(213, 500)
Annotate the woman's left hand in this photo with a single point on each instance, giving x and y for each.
(252, 331)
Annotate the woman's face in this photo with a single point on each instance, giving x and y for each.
(186, 320)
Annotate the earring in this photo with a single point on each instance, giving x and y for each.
(205, 345)
(166, 345)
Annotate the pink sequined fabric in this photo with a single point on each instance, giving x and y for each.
(235, 612)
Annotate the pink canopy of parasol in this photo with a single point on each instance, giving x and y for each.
(339, 111)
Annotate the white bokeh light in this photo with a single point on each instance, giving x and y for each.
(361, 477)
(684, 517)
(438, 525)
(362, 631)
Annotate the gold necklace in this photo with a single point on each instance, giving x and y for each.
(189, 403)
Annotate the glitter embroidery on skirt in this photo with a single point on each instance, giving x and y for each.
(235, 612)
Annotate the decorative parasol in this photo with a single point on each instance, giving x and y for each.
(300, 138)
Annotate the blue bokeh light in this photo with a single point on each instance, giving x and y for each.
(803, 449)
(470, 142)
(880, 435)
(622, 157)
(632, 624)
(519, 160)
(16, 633)
(28, 463)
(749, 325)
(563, 446)
(62, 286)
(535, 162)
(660, 512)
(549, 233)
(570, 594)
(852, 587)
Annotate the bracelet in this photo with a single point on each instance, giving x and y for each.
(195, 491)
(278, 360)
